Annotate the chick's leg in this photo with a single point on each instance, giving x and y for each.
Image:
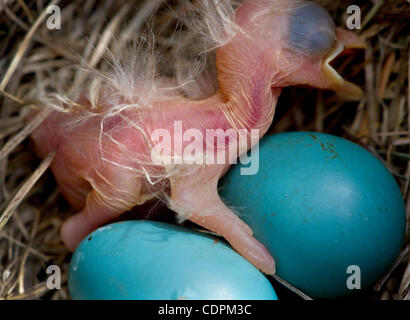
(195, 197)
(111, 195)
(90, 218)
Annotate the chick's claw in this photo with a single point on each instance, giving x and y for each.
(196, 198)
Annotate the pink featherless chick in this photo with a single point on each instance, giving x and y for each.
(107, 157)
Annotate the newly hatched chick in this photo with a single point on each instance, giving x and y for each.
(108, 160)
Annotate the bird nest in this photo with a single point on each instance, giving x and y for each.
(34, 57)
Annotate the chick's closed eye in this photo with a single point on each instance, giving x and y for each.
(312, 31)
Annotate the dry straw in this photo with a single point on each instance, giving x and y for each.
(34, 60)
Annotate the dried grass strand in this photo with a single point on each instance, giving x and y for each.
(24, 190)
(24, 133)
(23, 47)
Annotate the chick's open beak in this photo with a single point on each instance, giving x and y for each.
(345, 40)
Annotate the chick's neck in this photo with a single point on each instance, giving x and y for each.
(246, 78)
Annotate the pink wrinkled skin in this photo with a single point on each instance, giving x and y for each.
(100, 177)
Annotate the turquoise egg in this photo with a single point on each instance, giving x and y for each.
(147, 260)
(329, 212)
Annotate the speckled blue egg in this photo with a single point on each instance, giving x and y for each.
(320, 204)
(146, 260)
